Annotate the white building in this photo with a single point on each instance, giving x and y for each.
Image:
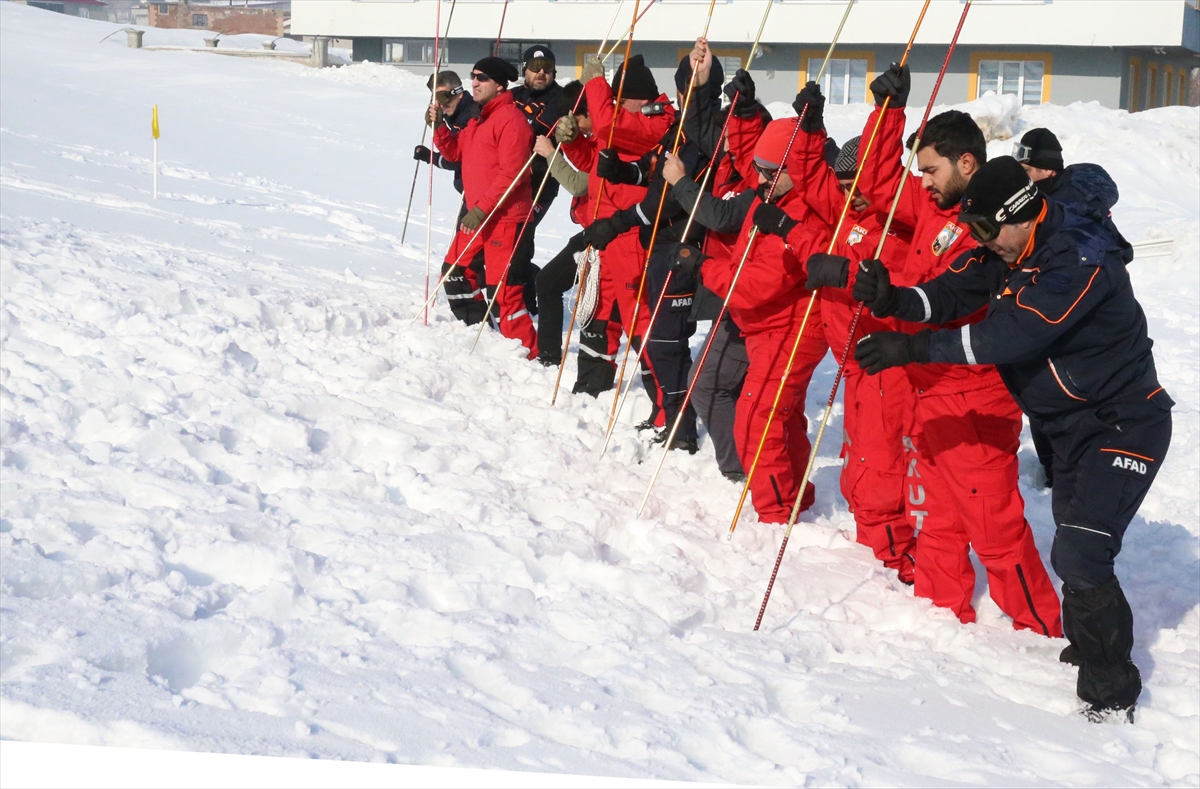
(1132, 54)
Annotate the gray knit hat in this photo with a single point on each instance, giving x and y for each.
(847, 159)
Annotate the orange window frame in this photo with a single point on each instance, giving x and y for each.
(1047, 59)
(1151, 85)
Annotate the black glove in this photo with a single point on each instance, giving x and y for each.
(883, 349)
(895, 82)
(827, 271)
(602, 232)
(423, 154)
(814, 115)
(686, 259)
(742, 85)
(577, 243)
(612, 169)
(771, 219)
(873, 287)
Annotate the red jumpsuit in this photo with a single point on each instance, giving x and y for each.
(768, 305)
(621, 262)
(878, 409)
(493, 148)
(962, 468)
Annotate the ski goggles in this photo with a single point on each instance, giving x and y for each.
(540, 64)
(444, 97)
(983, 229)
(1022, 152)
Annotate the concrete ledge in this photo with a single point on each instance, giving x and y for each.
(262, 54)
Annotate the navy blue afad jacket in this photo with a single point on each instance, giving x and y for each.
(1093, 188)
(1062, 327)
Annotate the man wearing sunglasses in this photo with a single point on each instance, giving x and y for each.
(464, 287)
(492, 150)
(1069, 338)
(962, 454)
(538, 98)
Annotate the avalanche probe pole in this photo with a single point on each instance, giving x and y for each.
(437, 63)
(904, 176)
(425, 129)
(736, 274)
(619, 405)
(596, 208)
(762, 441)
(500, 34)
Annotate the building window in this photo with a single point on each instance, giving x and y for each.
(1025, 75)
(1021, 78)
(1135, 82)
(412, 50)
(199, 20)
(845, 80)
(1183, 91)
(1152, 88)
(1168, 86)
(585, 51)
(163, 8)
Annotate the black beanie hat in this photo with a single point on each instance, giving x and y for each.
(538, 51)
(639, 83)
(1043, 150)
(683, 75)
(497, 70)
(847, 159)
(1001, 192)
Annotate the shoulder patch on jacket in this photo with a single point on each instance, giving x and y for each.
(857, 233)
(946, 238)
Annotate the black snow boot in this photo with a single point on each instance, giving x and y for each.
(1099, 624)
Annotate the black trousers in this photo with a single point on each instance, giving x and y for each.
(1104, 464)
(718, 387)
(551, 282)
(667, 341)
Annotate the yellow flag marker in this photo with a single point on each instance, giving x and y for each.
(154, 134)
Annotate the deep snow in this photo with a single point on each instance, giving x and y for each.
(248, 506)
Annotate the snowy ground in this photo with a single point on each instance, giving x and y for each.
(249, 507)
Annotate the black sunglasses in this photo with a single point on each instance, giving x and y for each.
(766, 172)
(479, 76)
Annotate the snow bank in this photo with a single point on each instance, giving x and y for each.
(249, 506)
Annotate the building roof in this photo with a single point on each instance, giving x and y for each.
(992, 23)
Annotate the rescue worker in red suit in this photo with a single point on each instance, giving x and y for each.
(621, 254)
(878, 410)
(962, 477)
(768, 305)
(493, 149)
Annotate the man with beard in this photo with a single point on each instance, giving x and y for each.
(962, 470)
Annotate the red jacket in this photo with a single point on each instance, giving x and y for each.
(857, 240)
(492, 148)
(770, 293)
(735, 174)
(634, 136)
(937, 239)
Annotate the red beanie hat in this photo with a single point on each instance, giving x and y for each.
(772, 145)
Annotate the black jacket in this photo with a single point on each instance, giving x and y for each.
(542, 110)
(1063, 327)
(1088, 185)
(465, 111)
(674, 217)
